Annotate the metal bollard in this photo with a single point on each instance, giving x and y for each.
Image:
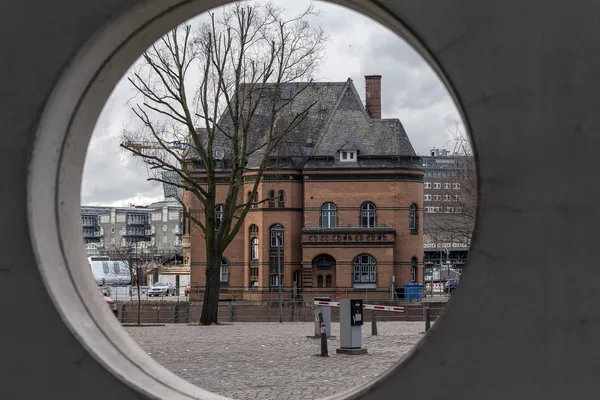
(427, 319)
(230, 311)
(324, 352)
(373, 323)
(292, 312)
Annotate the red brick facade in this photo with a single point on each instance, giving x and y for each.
(351, 211)
(391, 243)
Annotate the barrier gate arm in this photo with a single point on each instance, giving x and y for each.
(365, 306)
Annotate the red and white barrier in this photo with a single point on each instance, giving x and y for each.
(365, 306)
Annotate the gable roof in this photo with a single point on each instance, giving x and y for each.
(336, 119)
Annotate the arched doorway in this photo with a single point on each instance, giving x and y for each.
(323, 268)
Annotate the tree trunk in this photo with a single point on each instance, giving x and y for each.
(210, 305)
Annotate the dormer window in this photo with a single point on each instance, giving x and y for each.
(347, 156)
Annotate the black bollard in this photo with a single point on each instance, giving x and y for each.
(373, 323)
(324, 352)
(230, 311)
(427, 319)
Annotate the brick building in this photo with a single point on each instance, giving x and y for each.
(342, 213)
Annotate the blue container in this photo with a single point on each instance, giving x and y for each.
(413, 291)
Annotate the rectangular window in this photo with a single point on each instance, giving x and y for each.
(458, 210)
(274, 280)
(120, 217)
(427, 197)
(224, 273)
(364, 276)
(105, 219)
(456, 197)
(456, 185)
(437, 197)
(347, 155)
(447, 197)
(438, 209)
(447, 185)
(173, 215)
(437, 185)
(156, 216)
(372, 274)
(427, 185)
(449, 209)
(276, 238)
(254, 250)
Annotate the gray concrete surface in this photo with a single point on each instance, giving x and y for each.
(272, 361)
(524, 75)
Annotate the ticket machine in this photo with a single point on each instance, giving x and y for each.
(351, 321)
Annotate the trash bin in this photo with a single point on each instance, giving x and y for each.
(413, 291)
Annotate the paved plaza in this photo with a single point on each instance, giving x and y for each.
(268, 361)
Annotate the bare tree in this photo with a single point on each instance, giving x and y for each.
(455, 214)
(134, 258)
(230, 114)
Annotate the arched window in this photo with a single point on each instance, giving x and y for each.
(253, 230)
(254, 249)
(277, 235)
(271, 199)
(105, 268)
(413, 269)
(367, 215)
(328, 215)
(116, 267)
(280, 199)
(218, 216)
(224, 272)
(414, 226)
(365, 270)
(320, 281)
(328, 281)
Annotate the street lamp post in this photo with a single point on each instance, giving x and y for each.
(279, 276)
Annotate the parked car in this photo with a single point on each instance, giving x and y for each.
(112, 305)
(187, 289)
(161, 289)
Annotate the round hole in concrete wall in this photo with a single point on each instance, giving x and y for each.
(65, 129)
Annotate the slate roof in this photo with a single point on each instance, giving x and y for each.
(336, 120)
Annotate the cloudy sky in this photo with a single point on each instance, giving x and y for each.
(357, 46)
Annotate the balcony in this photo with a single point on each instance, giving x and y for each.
(138, 220)
(135, 232)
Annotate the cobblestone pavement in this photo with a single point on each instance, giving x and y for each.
(271, 361)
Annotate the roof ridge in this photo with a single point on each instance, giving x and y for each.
(328, 123)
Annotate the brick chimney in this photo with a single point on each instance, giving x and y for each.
(373, 95)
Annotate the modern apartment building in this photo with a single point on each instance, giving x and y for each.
(153, 230)
(343, 211)
(449, 208)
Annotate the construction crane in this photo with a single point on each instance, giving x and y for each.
(146, 145)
